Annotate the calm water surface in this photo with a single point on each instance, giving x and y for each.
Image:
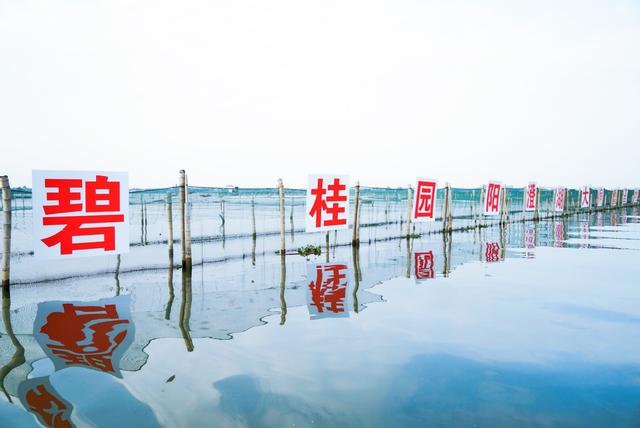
(537, 325)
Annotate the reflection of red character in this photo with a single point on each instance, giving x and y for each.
(425, 198)
(424, 265)
(101, 196)
(492, 252)
(530, 238)
(492, 203)
(329, 294)
(50, 410)
(85, 335)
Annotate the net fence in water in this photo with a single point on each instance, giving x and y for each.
(222, 224)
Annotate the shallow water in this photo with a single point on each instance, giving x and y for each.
(534, 325)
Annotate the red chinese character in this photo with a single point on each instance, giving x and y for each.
(492, 252)
(331, 204)
(50, 410)
(492, 203)
(329, 294)
(85, 335)
(424, 268)
(585, 198)
(425, 197)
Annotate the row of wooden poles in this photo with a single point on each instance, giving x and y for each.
(185, 220)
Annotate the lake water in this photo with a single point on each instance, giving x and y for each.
(537, 324)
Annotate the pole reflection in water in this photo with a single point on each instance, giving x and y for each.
(446, 252)
(283, 280)
(117, 275)
(167, 312)
(408, 272)
(357, 276)
(18, 356)
(185, 309)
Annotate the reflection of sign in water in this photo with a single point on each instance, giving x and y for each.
(424, 201)
(424, 266)
(584, 229)
(558, 234)
(327, 290)
(94, 335)
(327, 203)
(492, 252)
(600, 197)
(530, 238)
(43, 401)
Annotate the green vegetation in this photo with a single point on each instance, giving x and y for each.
(309, 250)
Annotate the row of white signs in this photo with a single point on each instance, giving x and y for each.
(85, 213)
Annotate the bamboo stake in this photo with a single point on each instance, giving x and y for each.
(6, 231)
(283, 247)
(253, 218)
(356, 239)
(185, 242)
(481, 211)
(141, 221)
(409, 204)
(169, 225)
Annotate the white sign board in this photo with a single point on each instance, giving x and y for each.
(492, 198)
(80, 213)
(424, 200)
(327, 203)
(585, 197)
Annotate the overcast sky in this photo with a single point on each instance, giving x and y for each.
(243, 92)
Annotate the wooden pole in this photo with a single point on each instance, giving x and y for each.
(356, 239)
(6, 231)
(169, 225)
(185, 241)
(253, 218)
(409, 204)
(481, 211)
(283, 247)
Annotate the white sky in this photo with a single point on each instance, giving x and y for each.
(245, 91)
